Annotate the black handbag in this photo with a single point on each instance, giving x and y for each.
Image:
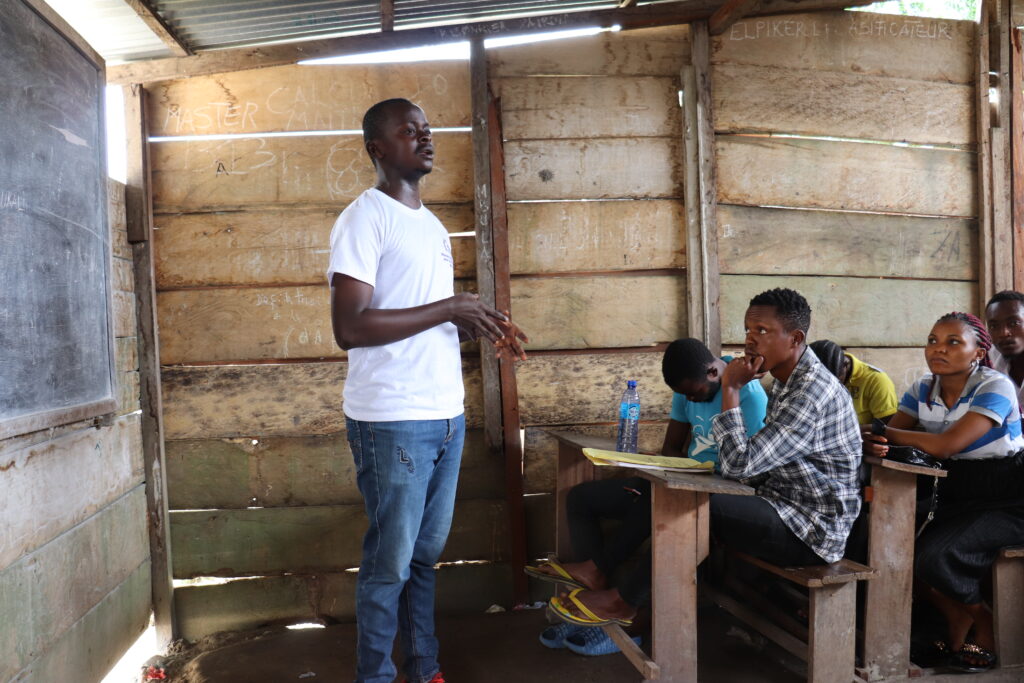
(907, 455)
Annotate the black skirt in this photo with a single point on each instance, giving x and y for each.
(980, 509)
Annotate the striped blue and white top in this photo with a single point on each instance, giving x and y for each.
(987, 392)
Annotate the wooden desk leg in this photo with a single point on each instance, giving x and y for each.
(573, 468)
(674, 582)
(1008, 585)
(832, 640)
(891, 553)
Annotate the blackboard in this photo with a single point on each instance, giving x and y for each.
(56, 332)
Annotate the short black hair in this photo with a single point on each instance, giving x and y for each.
(685, 359)
(830, 354)
(790, 307)
(377, 115)
(1006, 295)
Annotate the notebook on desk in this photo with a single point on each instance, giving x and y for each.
(603, 458)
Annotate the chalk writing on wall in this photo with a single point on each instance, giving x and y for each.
(866, 27)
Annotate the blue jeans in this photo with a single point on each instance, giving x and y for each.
(407, 472)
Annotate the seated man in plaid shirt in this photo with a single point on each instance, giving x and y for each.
(804, 461)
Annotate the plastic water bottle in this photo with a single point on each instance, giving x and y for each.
(629, 419)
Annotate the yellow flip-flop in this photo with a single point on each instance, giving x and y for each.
(558, 608)
(563, 577)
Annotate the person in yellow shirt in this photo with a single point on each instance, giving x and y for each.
(873, 393)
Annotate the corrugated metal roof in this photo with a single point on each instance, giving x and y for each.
(112, 28)
(117, 33)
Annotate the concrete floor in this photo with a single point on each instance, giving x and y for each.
(486, 648)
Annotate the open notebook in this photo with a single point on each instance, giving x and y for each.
(648, 462)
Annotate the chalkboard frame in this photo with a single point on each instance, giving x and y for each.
(44, 419)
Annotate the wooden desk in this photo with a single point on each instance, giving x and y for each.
(679, 542)
(891, 553)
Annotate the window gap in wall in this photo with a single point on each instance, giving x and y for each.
(605, 199)
(284, 134)
(603, 273)
(864, 211)
(835, 138)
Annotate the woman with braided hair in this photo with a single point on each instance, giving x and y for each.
(971, 421)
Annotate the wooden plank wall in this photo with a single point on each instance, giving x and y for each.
(74, 551)
(846, 147)
(260, 476)
(597, 234)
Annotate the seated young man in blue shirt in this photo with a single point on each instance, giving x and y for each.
(804, 462)
(694, 375)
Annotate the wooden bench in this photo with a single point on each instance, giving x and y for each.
(830, 641)
(1008, 605)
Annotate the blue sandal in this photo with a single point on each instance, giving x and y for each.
(556, 635)
(593, 642)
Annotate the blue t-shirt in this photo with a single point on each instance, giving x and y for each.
(703, 447)
(987, 392)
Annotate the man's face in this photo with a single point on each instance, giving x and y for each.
(767, 337)
(405, 142)
(699, 391)
(1005, 320)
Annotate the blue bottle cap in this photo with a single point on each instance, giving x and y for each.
(631, 384)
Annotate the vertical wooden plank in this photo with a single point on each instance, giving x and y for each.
(832, 638)
(986, 268)
(703, 530)
(1017, 151)
(387, 15)
(137, 199)
(1002, 160)
(139, 216)
(512, 445)
(890, 553)
(701, 192)
(573, 468)
(1008, 591)
(674, 581)
(499, 400)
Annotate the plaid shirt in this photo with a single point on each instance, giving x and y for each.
(809, 450)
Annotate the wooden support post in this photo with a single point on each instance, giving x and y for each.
(674, 582)
(701, 192)
(1002, 160)
(139, 216)
(832, 640)
(144, 9)
(1017, 149)
(986, 284)
(387, 15)
(890, 546)
(501, 410)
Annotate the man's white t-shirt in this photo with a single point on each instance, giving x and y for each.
(405, 254)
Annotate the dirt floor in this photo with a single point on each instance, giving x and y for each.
(484, 648)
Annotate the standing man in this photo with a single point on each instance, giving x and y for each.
(393, 308)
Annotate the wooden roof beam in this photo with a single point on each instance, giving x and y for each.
(161, 28)
(729, 13)
(242, 58)
(387, 15)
